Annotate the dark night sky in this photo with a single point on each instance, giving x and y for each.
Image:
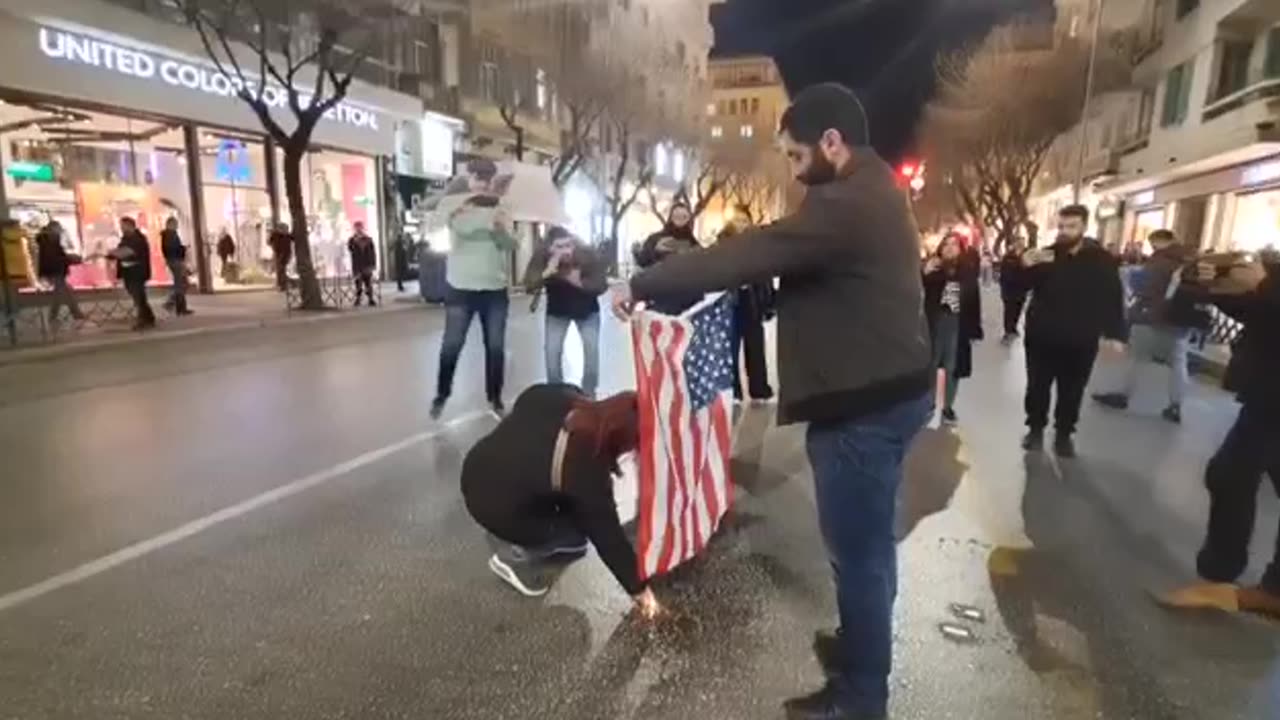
(884, 49)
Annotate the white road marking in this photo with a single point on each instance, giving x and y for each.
(195, 527)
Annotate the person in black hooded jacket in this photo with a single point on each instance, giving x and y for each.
(675, 238)
(53, 264)
(1250, 294)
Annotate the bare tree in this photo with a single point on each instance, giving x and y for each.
(298, 54)
(630, 163)
(997, 113)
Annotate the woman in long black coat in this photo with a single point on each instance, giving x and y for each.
(953, 306)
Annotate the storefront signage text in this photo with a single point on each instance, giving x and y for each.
(1262, 174)
(86, 50)
(35, 172)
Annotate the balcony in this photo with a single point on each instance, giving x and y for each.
(1259, 89)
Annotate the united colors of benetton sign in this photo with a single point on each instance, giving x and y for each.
(81, 49)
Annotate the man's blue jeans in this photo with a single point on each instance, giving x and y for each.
(857, 468)
(460, 307)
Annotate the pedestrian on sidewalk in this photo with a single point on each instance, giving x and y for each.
(1157, 332)
(227, 257)
(1076, 300)
(1250, 294)
(854, 362)
(400, 259)
(542, 484)
(1013, 289)
(53, 265)
(281, 242)
(364, 262)
(953, 306)
(175, 257)
(476, 277)
(133, 267)
(754, 307)
(674, 238)
(573, 277)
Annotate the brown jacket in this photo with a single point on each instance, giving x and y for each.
(852, 337)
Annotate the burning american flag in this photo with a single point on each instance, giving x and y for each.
(684, 379)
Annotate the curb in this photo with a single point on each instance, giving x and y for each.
(22, 356)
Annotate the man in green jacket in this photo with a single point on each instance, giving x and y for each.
(477, 285)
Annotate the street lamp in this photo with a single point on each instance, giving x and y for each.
(1088, 99)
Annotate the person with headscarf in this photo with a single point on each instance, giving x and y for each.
(674, 238)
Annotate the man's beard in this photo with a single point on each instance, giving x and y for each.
(821, 170)
(1069, 241)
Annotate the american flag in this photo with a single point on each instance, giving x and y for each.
(684, 379)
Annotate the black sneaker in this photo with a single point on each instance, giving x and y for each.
(949, 417)
(373, 304)
(823, 705)
(517, 575)
(1063, 446)
(1115, 401)
(827, 646)
(1034, 441)
(437, 407)
(1173, 414)
(498, 408)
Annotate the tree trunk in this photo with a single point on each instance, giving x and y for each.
(294, 154)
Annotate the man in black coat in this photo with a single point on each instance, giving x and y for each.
(133, 266)
(364, 261)
(1013, 288)
(175, 256)
(754, 307)
(1250, 294)
(1076, 300)
(53, 265)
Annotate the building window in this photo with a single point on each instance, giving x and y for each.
(1146, 112)
(755, 106)
(717, 131)
(677, 167)
(747, 131)
(1177, 95)
(733, 107)
(489, 82)
(1186, 7)
(1272, 66)
(711, 109)
(540, 88)
(1233, 67)
(660, 159)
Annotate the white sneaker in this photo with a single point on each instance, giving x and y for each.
(528, 588)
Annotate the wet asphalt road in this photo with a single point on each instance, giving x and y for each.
(360, 590)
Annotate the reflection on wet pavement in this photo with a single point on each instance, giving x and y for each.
(369, 597)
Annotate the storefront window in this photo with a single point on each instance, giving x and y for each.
(87, 170)
(339, 190)
(1257, 223)
(237, 209)
(1147, 222)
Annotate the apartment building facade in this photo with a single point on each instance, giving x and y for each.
(1194, 146)
(748, 98)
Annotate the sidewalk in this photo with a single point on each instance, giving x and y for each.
(222, 312)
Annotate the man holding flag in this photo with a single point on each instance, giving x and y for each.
(854, 363)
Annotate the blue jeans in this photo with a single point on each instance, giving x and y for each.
(460, 307)
(1147, 343)
(857, 468)
(557, 331)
